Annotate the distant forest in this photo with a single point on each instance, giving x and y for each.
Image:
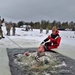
(46, 24)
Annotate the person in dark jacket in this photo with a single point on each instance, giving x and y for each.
(53, 40)
(1, 31)
(13, 29)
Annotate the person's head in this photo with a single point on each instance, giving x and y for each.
(54, 29)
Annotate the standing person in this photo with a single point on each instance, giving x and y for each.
(41, 30)
(52, 41)
(1, 32)
(8, 28)
(13, 29)
(47, 30)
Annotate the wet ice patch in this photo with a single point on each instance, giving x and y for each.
(41, 66)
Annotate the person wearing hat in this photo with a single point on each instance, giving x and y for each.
(52, 41)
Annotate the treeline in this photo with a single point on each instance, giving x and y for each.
(46, 24)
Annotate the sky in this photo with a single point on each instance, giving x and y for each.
(37, 10)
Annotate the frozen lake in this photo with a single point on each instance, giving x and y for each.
(33, 38)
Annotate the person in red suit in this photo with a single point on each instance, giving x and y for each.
(53, 40)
